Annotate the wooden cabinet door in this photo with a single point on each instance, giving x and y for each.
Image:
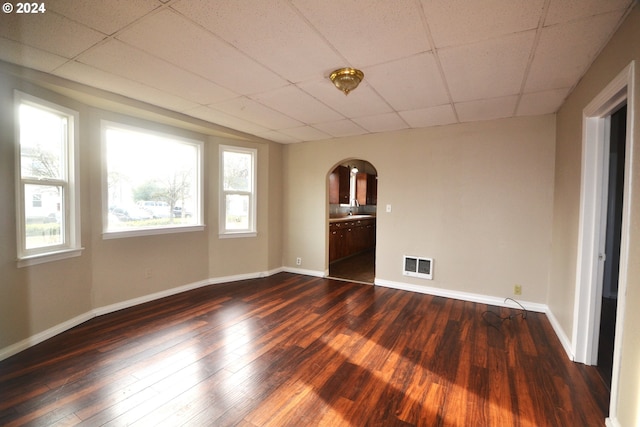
(372, 190)
(339, 186)
(366, 189)
(333, 244)
(361, 187)
(334, 187)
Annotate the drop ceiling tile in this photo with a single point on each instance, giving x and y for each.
(545, 102)
(126, 61)
(298, 104)
(354, 28)
(565, 51)
(253, 111)
(104, 16)
(189, 46)
(14, 52)
(276, 136)
(488, 109)
(409, 83)
(220, 118)
(361, 102)
(94, 77)
(49, 32)
(272, 32)
(488, 69)
(455, 22)
(571, 10)
(432, 116)
(305, 133)
(382, 122)
(340, 128)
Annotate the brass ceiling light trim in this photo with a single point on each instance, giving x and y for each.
(346, 79)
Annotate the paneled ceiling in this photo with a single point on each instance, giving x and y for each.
(261, 66)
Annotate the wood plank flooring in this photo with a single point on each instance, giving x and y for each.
(357, 268)
(293, 350)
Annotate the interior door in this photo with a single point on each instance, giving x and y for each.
(612, 239)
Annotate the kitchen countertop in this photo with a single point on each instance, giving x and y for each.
(351, 218)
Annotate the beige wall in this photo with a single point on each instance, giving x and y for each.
(230, 257)
(494, 203)
(621, 50)
(36, 298)
(41, 298)
(476, 197)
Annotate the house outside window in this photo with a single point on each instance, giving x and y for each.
(152, 182)
(237, 191)
(48, 209)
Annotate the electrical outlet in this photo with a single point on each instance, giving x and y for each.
(517, 290)
(298, 261)
(148, 273)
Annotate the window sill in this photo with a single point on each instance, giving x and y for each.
(150, 231)
(237, 235)
(48, 257)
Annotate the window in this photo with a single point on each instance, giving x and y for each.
(48, 204)
(237, 192)
(153, 182)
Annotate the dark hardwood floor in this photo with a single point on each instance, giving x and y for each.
(359, 268)
(293, 350)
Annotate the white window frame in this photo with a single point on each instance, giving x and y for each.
(71, 244)
(148, 231)
(225, 233)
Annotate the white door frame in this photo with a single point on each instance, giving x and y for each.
(593, 187)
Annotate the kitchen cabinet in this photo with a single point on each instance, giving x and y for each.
(366, 189)
(339, 186)
(351, 236)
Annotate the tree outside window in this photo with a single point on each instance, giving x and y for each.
(153, 180)
(48, 220)
(237, 204)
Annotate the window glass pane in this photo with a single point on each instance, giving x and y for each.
(152, 180)
(237, 215)
(44, 218)
(237, 171)
(42, 142)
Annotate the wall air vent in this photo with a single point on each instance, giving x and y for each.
(418, 267)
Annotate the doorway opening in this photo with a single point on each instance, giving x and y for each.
(595, 217)
(612, 201)
(352, 201)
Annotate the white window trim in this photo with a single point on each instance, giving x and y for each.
(72, 246)
(223, 233)
(150, 231)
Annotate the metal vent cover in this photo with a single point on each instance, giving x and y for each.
(418, 267)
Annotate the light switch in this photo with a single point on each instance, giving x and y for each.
(388, 208)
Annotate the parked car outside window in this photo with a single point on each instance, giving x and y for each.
(157, 209)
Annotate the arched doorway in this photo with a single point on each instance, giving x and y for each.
(352, 200)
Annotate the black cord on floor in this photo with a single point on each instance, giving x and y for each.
(501, 319)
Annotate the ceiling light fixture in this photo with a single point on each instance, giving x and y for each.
(346, 79)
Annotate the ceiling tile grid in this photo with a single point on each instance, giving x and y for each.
(262, 67)
(367, 32)
(49, 32)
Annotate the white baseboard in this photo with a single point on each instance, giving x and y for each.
(150, 297)
(314, 273)
(464, 296)
(484, 299)
(64, 326)
(612, 422)
(44, 335)
(562, 336)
